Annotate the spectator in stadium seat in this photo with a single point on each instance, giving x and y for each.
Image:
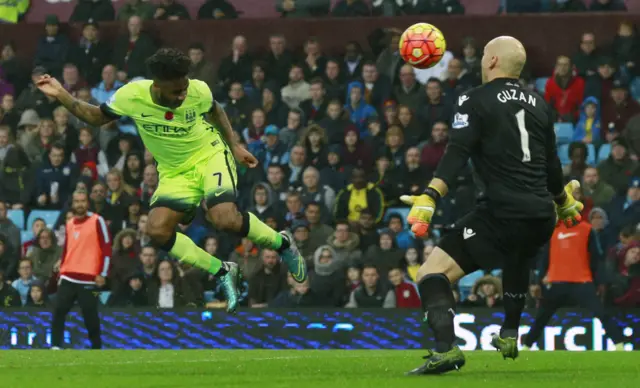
(371, 293)
(45, 254)
(626, 278)
(238, 107)
(5, 86)
(168, 289)
(132, 293)
(409, 92)
(329, 281)
(433, 151)
(355, 152)
(385, 255)
(357, 196)
(626, 48)
(389, 61)
(335, 123)
(302, 8)
(125, 258)
(9, 115)
(54, 179)
(119, 194)
(9, 297)
(14, 169)
(350, 8)
(298, 295)
(289, 135)
(335, 174)
(91, 54)
(315, 142)
(413, 261)
(632, 134)
(134, 211)
(294, 210)
(377, 87)
(403, 237)
(149, 184)
(458, 80)
(588, 128)
(36, 227)
(578, 157)
(273, 151)
(171, 10)
(588, 57)
(599, 84)
(237, 65)
(253, 88)
(367, 230)
(618, 167)
(201, 68)
(312, 191)
(140, 8)
(568, 6)
(375, 136)
(37, 296)
(71, 79)
(334, 80)
(93, 10)
(600, 192)
(23, 282)
(277, 111)
(262, 202)
(297, 162)
(268, 281)
(318, 231)
(438, 108)
(439, 7)
(247, 256)
(625, 209)
(357, 108)
(279, 61)
(607, 5)
(411, 177)
(382, 177)
(353, 61)
(53, 48)
(314, 61)
(149, 259)
(519, 6)
(12, 234)
(108, 86)
(470, 58)
(486, 292)
(618, 109)
(395, 149)
(133, 169)
(217, 9)
(36, 143)
(277, 182)
(98, 204)
(14, 70)
(345, 243)
(88, 151)
(564, 91)
(599, 220)
(300, 230)
(315, 108)
(66, 133)
(406, 292)
(131, 50)
(297, 89)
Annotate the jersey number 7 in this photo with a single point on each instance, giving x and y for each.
(524, 136)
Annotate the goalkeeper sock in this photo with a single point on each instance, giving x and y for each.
(185, 250)
(438, 306)
(261, 234)
(516, 284)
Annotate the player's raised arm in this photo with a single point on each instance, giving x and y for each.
(88, 113)
(218, 117)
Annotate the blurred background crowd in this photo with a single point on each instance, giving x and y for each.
(339, 138)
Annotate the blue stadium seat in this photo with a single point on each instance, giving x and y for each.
(603, 152)
(17, 217)
(466, 283)
(401, 211)
(591, 155)
(541, 84)
(563, 154)
(26, 235)
(564, 132)
(50, 217)
(209, 296)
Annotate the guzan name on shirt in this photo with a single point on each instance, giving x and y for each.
(516, 95)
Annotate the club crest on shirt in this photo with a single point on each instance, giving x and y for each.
(76, 235)
(460, 121)
(190, 115)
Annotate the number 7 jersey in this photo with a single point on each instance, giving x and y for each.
(178, 138)
(507, 132)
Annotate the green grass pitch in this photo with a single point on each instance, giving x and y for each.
(305, 369)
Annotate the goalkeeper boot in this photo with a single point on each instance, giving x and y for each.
(293, 259)
(507, 346)
(438, 363)
(231, 283)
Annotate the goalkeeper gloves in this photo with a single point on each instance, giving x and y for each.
(568, 208)
(422, 208)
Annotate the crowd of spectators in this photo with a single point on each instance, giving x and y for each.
(338, 137)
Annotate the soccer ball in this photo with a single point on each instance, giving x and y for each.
(422, 45)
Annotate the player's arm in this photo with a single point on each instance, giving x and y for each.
(218, 117)
(88, 113)
(463, 138)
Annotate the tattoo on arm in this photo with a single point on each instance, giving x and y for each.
(219, 118)
(86, 112)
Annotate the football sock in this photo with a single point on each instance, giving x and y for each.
(185, 250)
(438, 305)
(261, 234)
(514, 297)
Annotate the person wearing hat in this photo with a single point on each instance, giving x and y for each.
(625, 209)
(28, 121)
(275, 152)
(617, 109)
(53, 47)
(93, 10)
(335, 173)
(90, 55)
(140, 8)
(618, 167)
(301, 233)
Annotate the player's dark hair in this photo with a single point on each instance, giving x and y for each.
(196, 46)
(168, 64)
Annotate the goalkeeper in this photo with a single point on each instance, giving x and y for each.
(508, 134)
(190, 136)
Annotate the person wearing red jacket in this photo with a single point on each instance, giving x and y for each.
(83, 270)
(564, 91)
(406, 292)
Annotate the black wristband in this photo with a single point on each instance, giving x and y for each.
(433, 193)
(560, 198)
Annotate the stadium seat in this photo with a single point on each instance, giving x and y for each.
(467, 282)
(401, 211)
(591, 155)
(26, 235)
(603, 152)
(50, 217)
(541, 84)
(209, 296)
(563, 154)
(564, 132)
(17, 217)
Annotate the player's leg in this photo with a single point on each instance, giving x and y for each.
(88, 301)
(65, 297)
(586, 296)
(172, 203)
(220, 193)
(553, 298)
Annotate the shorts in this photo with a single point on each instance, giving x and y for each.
(479, 240)
(214, 180)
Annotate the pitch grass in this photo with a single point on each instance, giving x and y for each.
(304, 369)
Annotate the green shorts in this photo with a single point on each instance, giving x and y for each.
(214, 180)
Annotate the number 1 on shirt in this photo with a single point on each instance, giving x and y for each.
(524, 136)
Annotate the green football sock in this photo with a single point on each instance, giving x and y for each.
(187, 251)
(262, 235)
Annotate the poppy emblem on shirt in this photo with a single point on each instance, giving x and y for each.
(168, 116)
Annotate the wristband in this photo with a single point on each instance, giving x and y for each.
(560, 199)
(433, 193)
